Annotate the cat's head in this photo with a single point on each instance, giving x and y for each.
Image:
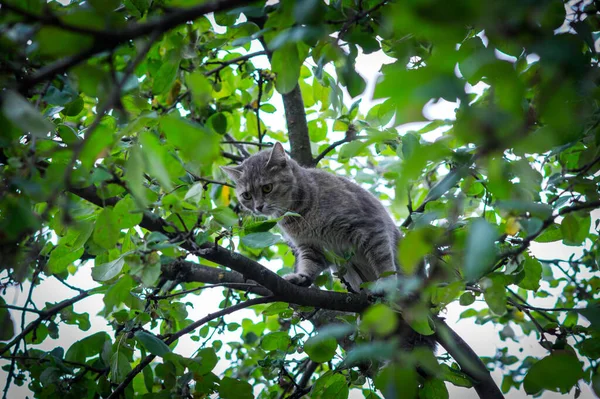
(263, 182)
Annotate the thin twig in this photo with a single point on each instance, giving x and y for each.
(20, 308)
(74, 364)
(225, 64)
(335, 144)
(233, 157)
(257, 109)
(247, 143)
(227, 285)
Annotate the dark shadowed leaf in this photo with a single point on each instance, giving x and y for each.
(20, 112)
(152, 343)
(480, 250)
(7, 331)
(558, 372)
(235, 389)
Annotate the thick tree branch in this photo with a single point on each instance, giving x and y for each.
(297, 127)
(468, 360)
(295, 117)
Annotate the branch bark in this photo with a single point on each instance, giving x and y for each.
(297, 127)
(468, 360)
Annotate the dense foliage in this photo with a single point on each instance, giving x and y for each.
(116, 115)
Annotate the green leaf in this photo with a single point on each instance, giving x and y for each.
(433, 388)
(156, 156)
(125, 213)
(329, 386)
(154, 345)
(442, 187)
(397, 382)
(259, 226)
(134, 176)
(205, 361)
(286, 63)
(494, 293)
(61, 257)
(73, 108)
(96, 145)
(107, 271)
(480, 250)
(225, 216)
(218, 122)
(166, 75)
(200, 87)
(235, 389)
(575, 229)
(276, 340)
(106, 230)
(87, 347)
(260, 240)
(532, 270)
(376, 350)
(195, 143)
(194, 194)
(592, 314)
(558, 372)
(412, 250)
(276, 308)
(55, 42)
(380, 319)
(551, 234)
(320, 349)
(466, 299)
(7, 329)
(119, 367)
(455, 377)
(24, 116)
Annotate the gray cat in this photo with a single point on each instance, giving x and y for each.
(336, 217)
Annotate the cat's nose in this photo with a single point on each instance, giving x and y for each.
(259, 208)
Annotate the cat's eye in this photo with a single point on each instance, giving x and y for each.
(246, 195)
(267, 188)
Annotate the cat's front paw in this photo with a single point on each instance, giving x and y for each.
(298, 279)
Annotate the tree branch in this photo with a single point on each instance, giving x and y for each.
(468, 360)
(297, 127)
(148, 359)
(44, 315)
(350, 136)
(108, 40)
(225, 64)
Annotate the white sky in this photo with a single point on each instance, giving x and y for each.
(483, 339)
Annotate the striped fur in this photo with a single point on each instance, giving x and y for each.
(336, 215)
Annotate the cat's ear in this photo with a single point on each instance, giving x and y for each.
(234, 172)
(277, 157)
